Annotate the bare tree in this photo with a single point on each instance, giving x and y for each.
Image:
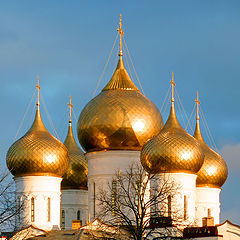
(9, 207)
(140, 203)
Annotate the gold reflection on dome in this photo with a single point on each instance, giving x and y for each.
(120, 117)
(214, 170)
(173, 149)
(76, 175)
(37, 152)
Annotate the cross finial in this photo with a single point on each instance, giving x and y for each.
(121, 33)
(70, 109)
(198, 103)
(173, 85)
(38, 90)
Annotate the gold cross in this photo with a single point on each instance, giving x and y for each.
(38, 89)
(197, 102)
(173, 85)
(121, 33)
(70, 109)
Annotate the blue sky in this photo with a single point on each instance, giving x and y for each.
(67, 44)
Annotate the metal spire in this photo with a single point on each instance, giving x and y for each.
(173, 85)
(70, 109)
(197, 102)
(38, 90)
(121, 33)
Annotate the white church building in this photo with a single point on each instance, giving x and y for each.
(58, 181)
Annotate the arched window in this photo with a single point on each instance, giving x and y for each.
(49, 209)
(169, 203)
(63, 219)
(114, 196)
(78, 215)
(32, 209)
(185, 207)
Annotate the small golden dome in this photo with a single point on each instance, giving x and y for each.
(76, 175)
(119, 118)
(214, 170)
(37, 153)
(173, 149)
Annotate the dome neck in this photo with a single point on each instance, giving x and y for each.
(172, 121)
(120, 79)
(70, 141)
(198, 134)
(37, 123)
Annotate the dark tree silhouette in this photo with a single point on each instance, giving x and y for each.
(127, 202)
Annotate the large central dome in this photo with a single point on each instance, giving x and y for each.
(119, 118)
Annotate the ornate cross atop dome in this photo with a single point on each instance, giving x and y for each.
(198, 103)
(173, 85)
(38, 91)
(70, 109)
(121, 33)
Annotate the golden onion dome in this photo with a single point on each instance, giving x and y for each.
(172, 150)
(214, 170)
(37, 152)
(120, 117)
(76, 175)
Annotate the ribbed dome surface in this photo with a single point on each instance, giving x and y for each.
(172, 150)
(119, 118)
(37, 153)
(214, 170)
(76, 175)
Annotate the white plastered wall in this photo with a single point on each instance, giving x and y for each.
(207, 198)
(184, 185)
(102, 167)
(40, 188)
(74, 200)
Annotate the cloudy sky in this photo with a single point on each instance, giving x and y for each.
(67, 43)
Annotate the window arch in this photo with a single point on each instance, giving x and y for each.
(32, 209)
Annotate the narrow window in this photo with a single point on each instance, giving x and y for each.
(32, 210)
(185, 207)
(49, 209)
(63, 219)
(78, 215)
(114, 196)
(169, 202)
(209, 212)
(154, 213)
(18, 210)
(94, 199)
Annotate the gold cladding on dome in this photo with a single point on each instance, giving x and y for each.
(37, 152)
(120, 79)
(76, 175)
(173, 149)
(214, 170)
(120, 117)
